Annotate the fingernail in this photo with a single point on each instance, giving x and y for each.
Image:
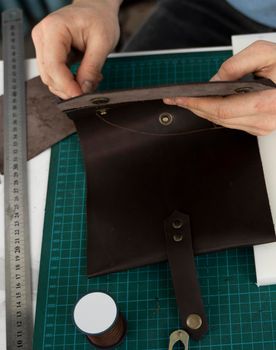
(215, 78)
(87, 86)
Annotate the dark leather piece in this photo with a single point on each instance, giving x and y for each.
(46, 123)
(218, 88)
(181, 260)
(140, 171)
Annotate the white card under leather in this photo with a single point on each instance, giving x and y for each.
(265, 254)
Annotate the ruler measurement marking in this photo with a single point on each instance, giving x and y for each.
(18, 277)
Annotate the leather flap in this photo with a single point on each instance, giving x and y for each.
(214, 88)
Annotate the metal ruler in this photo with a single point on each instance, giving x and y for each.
(19, 319)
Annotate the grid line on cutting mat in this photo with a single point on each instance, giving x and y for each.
(241, 315)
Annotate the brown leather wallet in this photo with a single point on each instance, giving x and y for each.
(163, 184)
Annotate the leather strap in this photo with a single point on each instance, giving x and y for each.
(218, 88)
(181, 260)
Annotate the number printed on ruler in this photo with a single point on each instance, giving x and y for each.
(16, 222)
(19, 321)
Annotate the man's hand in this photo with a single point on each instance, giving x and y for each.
(251, 112)
(90, 26)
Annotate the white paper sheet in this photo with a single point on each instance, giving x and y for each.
(265, 254)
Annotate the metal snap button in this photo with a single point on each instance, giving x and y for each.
(166, 119)
(243, 90)
(177, 223)
(102, 112)
(99, 100)
(194, 321)
(178, 237)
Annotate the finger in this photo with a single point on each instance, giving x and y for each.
(46, 59)
(58, 93)
(44, 74)
(226, 107)
(59, 75)
(246, 123)
(255, 58)
(169, 101)
(211, 108)
(89, 72)
(261, 122)
(52, 47)
(38, 44)
(234, 106)
(238, 125)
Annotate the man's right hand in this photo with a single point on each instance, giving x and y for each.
(90, 26)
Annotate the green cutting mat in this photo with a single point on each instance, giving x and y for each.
(241, 316)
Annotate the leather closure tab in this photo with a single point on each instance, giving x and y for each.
(181, 260)
(214, 88)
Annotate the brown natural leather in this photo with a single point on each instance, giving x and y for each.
(46, 123)
(140, 171)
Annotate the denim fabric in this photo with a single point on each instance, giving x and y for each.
(261, 11)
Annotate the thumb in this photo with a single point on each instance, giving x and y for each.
(253, 59)
(89, 72)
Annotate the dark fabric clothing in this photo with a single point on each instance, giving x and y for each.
(185, 23)
(33, 10)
